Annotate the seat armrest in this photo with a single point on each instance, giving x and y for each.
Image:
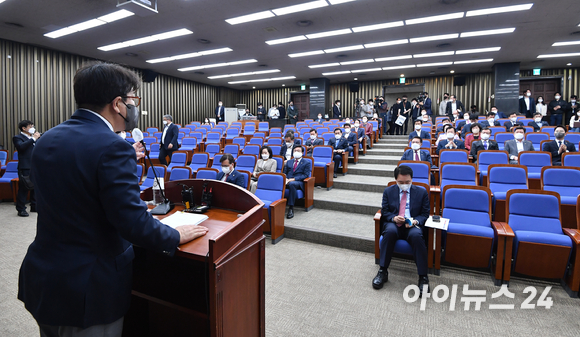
(502, 228)
(573, 233)
(377, 219)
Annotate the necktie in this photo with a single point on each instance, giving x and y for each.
(559, 144)
(417, 156)
(295, 164)
(227, 175)
(485, 145)
(402, 206)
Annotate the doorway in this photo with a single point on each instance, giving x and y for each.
(545, 87)
(302, 103)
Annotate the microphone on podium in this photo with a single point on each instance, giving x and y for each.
(164, 207)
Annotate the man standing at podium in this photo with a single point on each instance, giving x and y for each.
(76, 276)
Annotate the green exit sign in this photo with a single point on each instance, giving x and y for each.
(536, 72)
(402, 80)
(303, 87)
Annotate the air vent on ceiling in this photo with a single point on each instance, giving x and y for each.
(341, 56)
(303, 23)
(575, 33)
(449, 2)
(13, 24)
(270, 29)
(432, 73)
(204, 41)
(443, 45)
(263, 65)
(131, 54)
(199, 72)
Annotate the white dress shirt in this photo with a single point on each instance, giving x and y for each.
(165, 133)
(101, 117)
(407, 210)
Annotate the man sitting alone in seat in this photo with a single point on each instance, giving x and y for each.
(229, 173)
(296, 170)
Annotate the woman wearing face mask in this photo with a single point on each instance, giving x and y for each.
(206, 122)
(443, 135)
(265, 164)
(473, 136)
(575, 119)
(542, 107)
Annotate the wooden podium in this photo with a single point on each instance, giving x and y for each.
(214, 285)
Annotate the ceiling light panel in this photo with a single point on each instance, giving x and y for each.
(393, 58)
(378, 26)
(478, 50)
(399, 67)
(434, 64)
(445, 53)
(300, 7)
(215, 65)
(245, 74)
(324, 65)
(336, 50)
(366, 70)
(307, 53)
(435, 18)
(473, 61)
(386, 43)
(190, 55)
(286, 40)
(336, 73)
(566, 43)
(488, 32)
(330, 33)
(264, 80)
(544, 56)
(497, 10)
(90, 23)
(434, 38)
(357, 62)
(147, 39)
(250, 17)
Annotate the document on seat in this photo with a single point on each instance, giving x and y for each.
(180, 218)
(443, 223)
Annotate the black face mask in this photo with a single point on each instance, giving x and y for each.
(132, 117)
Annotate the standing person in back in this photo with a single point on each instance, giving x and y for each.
(514, 146)
(454, 105)
(485, 143)
(557, 109)
(383, 109)
(296, 170)
(261, 112)
(573, 110)
(273, 113)
(24, 144)
(168, 142)
(336, 113)
(281, 110)
(292, 113)
(312, 141)
(527, 104)
(443, 105)
(220, 112)
(559, 146)
(542, 108)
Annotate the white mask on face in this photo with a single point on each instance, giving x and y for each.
(415, 146)
(337, 104)
(573, 101)
(398, 102)
(417, 127)
(347, 130)
(528, 94)
(31, 131)
(455, 116)
(484, 136)
(219, 104)
(356, 125)
(164, 122)
(313, 137)
(297, 154)
(540, 100)
(404, 187)
(226, 170)
(557, 98)
(337, 136)
(465, 116)
(423, 113)
(519, 136)
(491, 121)
(289, 144)
(513, 119)
(538, 119)
(319, 117)
(450, 135)
(266, 156)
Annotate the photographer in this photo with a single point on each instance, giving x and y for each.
(382, 109)
(361, 109)
(371, 108)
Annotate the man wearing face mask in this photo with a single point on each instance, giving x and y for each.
(404, 212)
(538, 123)
(419, 132)
(362, 109)
(513, 122)
(340, 145)
(281, 110)
(312, 141)
(359, 131)
(485, 143)
(514, 146)
(228, 172)
(383, 109)
(292, 113)
(261, 112)
(450, 143)
(76, 277)
(336, 112)
(467, 120)
(220, 112)
(559, 146)
(288, 146)
(351, 137)
(454, 105)
(24, 144)
(490, 119)
(527, 104)
(556, 109)
(168, 142)
(296, 170)
(415, 153)
(443, 105)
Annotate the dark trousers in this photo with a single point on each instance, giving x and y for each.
(261, 117)
(383, 116)
(337, 161)
(391, 128)
(292, 187)
(556, 119)
(413, 235)
(114, 329)
(163, 153)
(23, 193)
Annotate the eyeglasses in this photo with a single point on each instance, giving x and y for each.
(136, 99)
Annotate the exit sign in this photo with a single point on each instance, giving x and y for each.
(303, 87)
(402, 80)
(536, 72)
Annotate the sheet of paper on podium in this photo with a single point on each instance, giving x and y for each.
(443, 223)
(180, 218)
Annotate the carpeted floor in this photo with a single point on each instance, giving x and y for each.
(315, 290)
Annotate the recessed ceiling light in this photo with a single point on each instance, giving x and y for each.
(336, 73)
(264, 80)
(336, 2)
(393, 58)
(378, 26)
(402, 75)
(435, 18)
(356, 79)
(90, 24)
(245, 74)
(330, 33)
(300, 7)
(452, 71)
(357, 62)
(399, 67)
(566, 43)
(147, 39)
(478, 50)
(250, 17)
(286, 40)
(568, 64)
(253, 87)
(215, 65)
(336, 50)
(118, 15)
(544, 56)
(496, 10)
(190, 55)
(473, 61)
(444, 53)
(324, 65)
(434, 38)
(366, 70)
(488, 32)
(307, 53)
(283, 85)
(386, 43)
(434, 64)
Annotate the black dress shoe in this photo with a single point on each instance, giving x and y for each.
(380, 279)
(423, 280)
(290, 214)
(334, 175)
(23, 213)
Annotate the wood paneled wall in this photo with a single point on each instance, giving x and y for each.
(571, 81)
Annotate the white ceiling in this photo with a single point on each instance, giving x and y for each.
(536, 30)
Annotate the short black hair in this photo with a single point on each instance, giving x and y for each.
(475, 124)
(298, 147)
(451, 127)
(228, 157)
(560, 126)
(418, 120)
(345, 125)
(313, 130)
(337, 129)
(574, 96)
(403, 170)
(419, 138)
(337, 101)
(491, 113)
(519, 128)
(513, 113)
(267, 148)
(474, 117)
(527, 90)
(493, 106)
(260, 103)
(537, 113)
(97, 84)
(24, 124)
(446, 119)
(485, 129)
(446, 93)
(289, 134)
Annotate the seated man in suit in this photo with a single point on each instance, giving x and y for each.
(538, 123)
(490, 121)
(517, 145)
(288, 145)
(368, 128)
(444, 121)
(229, 173)
(416, 153)
(509, 125)
(296, 170)
(450, 142)
(351, 137)
(340, 145)
(312, 141)
(403, 214)
(359, 131)
(418, 132)
(559, 146)
(483, 144)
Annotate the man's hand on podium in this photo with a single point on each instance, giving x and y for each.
(190, 232)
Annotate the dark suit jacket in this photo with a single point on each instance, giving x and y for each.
(77, 271)
(523, 109)
(537, 127)
(441, 146)
(552, 147)
(403, 106)
(486, 123)
(477, 146)
(283, 148)
(302, 172)
(220, 110)
(352, 139)
(427, 106)
(235, 178)
(508, 125)
(320, 121)
(424, 135)
(342, 143)
(360, 133)
(459, 106)
(310, 142)
(170, 137)
(418, 205)
(282, 111)
(424, 155)
(24, 146)
(336, 112)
